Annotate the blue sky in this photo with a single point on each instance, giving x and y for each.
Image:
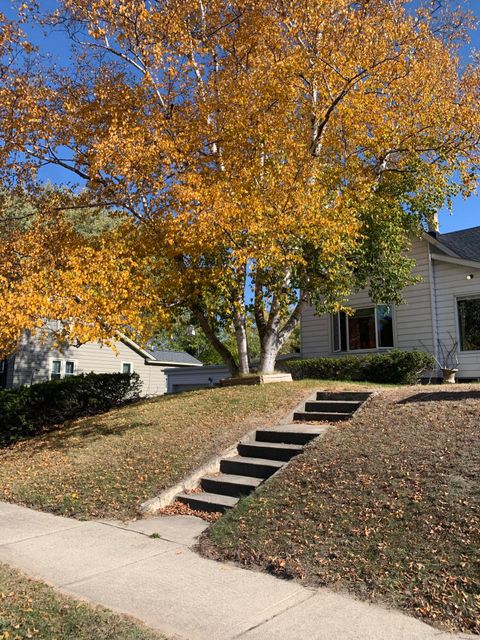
(466, 213)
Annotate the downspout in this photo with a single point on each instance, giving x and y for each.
(433, 304)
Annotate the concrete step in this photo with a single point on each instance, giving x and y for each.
(320, 416)
(207, 501)
(252, 467)
(230, 485)
(344, 395)
(269, 450)
(289, 435)
(335, 406)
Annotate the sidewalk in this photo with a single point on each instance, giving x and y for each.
(170, 588)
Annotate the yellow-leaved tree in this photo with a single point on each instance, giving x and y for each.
(51, 267)
(268, 154)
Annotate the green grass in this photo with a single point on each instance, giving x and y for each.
(106, 466)
(31, 609)
(386, 506)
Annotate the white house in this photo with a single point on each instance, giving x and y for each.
(439, 311)
(38, 360)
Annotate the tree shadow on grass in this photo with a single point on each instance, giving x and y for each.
(82, 431)
(441, 396)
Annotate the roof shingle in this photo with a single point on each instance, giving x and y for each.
(465, 243)
(173, 357)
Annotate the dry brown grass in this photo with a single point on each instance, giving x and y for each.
(104, 467)
(386, 506)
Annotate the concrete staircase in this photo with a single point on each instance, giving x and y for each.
(257, 460)
(269, 451)
(331, 406)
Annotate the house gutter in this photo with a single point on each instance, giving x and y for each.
(172, 364)
(460, 261)
(434, 307)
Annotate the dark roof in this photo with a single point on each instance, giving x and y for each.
(174, 357)
(465, 243)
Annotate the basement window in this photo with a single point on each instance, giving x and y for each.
(368, 328)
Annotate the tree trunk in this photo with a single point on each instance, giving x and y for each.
(242, 344)
(268, 356)
(274, 337)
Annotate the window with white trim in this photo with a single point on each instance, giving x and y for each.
(55, 370)
(70, 368)
(469, 323)
(368, 328)
(127, 367)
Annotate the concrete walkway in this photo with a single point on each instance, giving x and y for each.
(160, 581)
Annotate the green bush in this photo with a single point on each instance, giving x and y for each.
(27, 411)
(392, 367)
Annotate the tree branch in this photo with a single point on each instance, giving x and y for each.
(217, 344)
(292, 321)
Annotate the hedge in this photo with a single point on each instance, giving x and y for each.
(27, 411)
(391, 367)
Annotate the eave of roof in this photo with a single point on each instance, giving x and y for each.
(150, 359)
(434, 241)
(474, 264)
(169, 363)
(464, 242)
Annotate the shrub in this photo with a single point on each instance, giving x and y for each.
(27, 411)
(394, 367)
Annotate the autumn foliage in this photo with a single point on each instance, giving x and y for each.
(268, 155)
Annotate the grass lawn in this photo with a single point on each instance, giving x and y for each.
(31, 609)
(104, 467)
(386, 506)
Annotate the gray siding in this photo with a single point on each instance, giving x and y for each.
(451, 283)
(413, 320)
(413, 325)
(185, 378)
(34, 355)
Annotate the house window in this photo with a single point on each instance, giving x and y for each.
(56, 370)
(367, 328)
(469, 323)
(384, 319)
(127, 367)
(69, 368)
(2, 366)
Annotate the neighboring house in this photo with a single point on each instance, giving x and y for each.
(443, 308)
(38, 360)
(188, 378)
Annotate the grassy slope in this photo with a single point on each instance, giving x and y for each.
(31, 609)
(387, 506)
(107, 465)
